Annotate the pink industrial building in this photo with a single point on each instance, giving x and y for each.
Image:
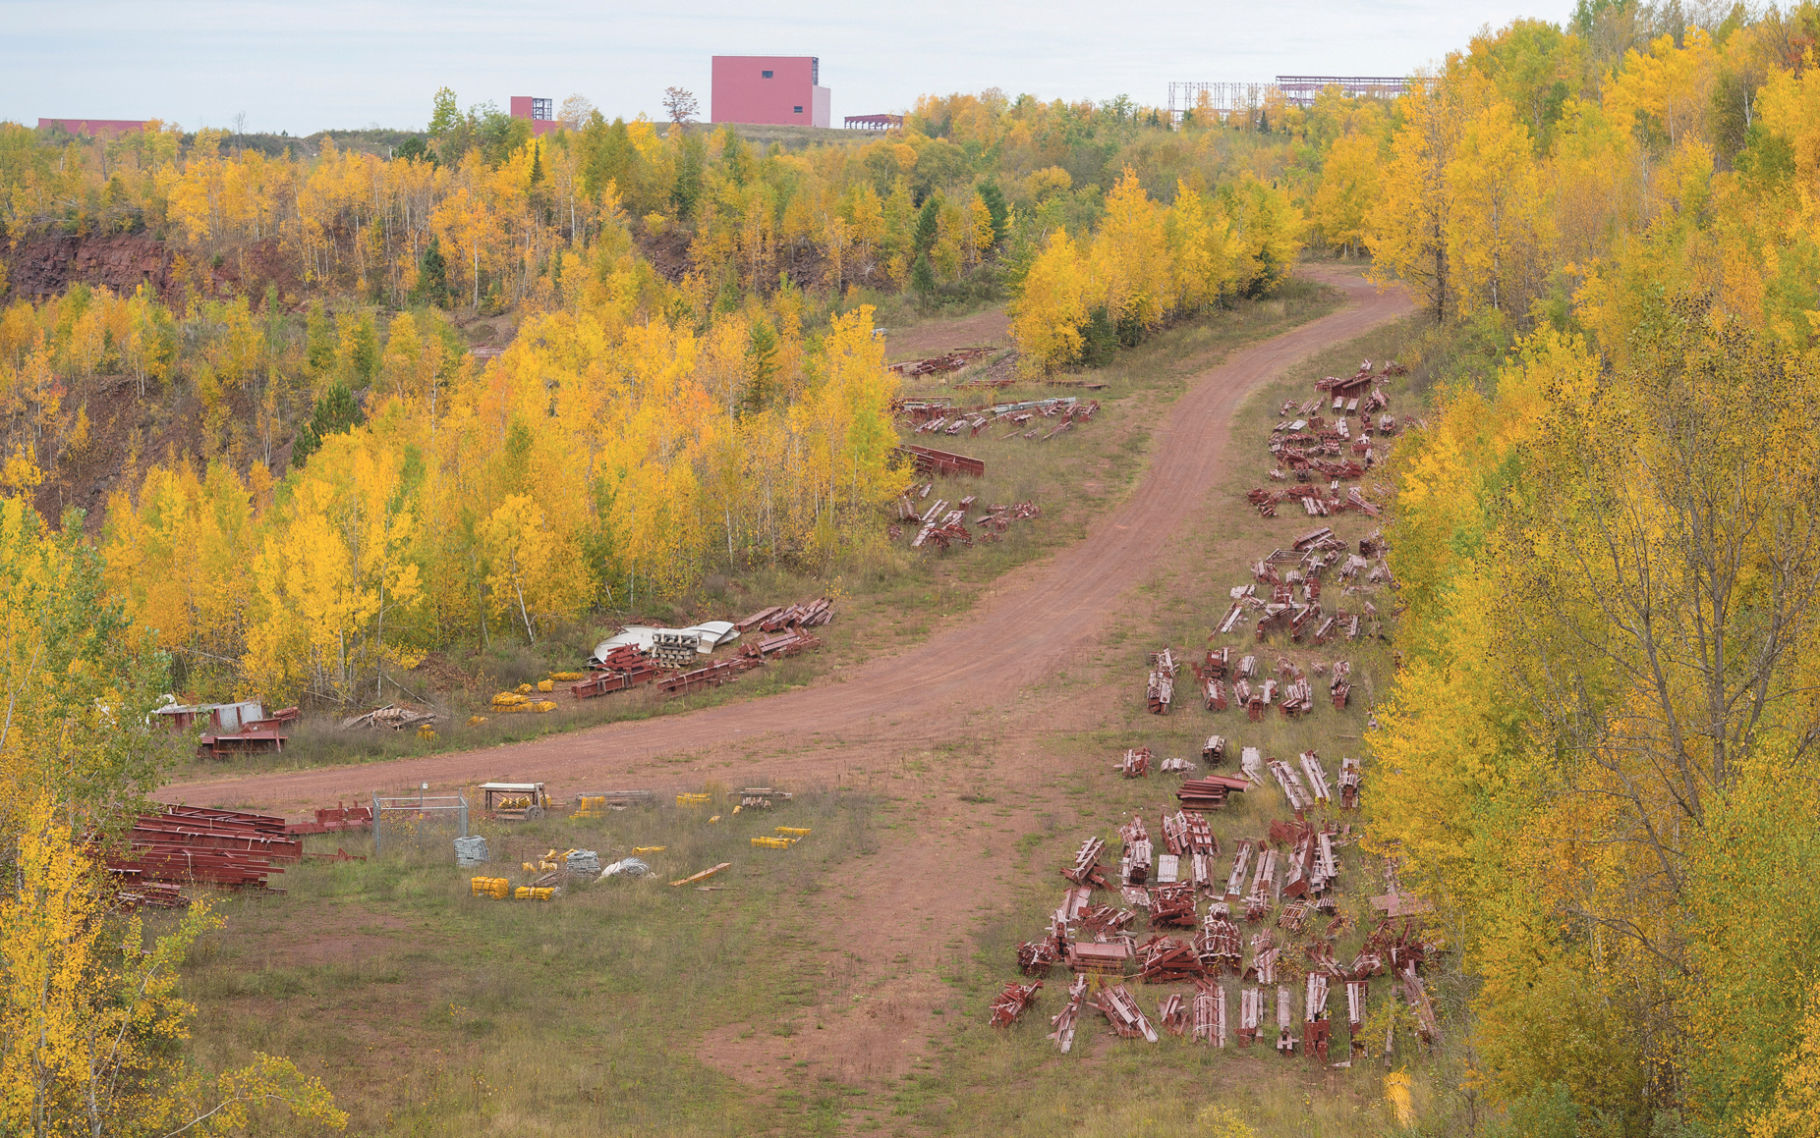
(96, 128)
(540, 112)
(781, 89)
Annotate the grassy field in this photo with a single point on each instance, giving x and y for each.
(889, 595)
(631, 1007)
(432, 1012)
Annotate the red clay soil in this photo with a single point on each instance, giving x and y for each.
(1029, 627)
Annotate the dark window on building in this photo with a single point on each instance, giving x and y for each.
(543, 109)
(766, 74)
(815, 71)
(798, 110)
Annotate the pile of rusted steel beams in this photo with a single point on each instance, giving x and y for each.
(936, 365)
(780, 618)
(670, 663)
(930, 462)
(1029, 419)
(192, 844)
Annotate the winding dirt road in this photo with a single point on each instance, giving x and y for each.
(1032, 624)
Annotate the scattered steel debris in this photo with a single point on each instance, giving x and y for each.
(937, 365)
(1068, 1018)
(1122, 1012)
(391, 715)
(1012, 1001)
(1135, 764)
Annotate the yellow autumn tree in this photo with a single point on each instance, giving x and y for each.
(1351, 182)
(1494, 223)
(92, 1015)
(1129, 263)
(1051, 307)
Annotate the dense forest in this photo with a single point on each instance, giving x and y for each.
(1599, 754)
(321, 480)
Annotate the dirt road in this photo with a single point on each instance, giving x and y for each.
(1033, 623)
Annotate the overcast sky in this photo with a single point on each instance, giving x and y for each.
(306, 65)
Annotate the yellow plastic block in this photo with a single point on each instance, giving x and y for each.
(648, 849)
(794, 831)
(764, 841)
(488, 887)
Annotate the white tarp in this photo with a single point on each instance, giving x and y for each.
(709, 635)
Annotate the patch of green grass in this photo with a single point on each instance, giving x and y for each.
(429, 1011)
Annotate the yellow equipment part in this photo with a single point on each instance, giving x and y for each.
(566, 677)
(649, 849)
(716, 818)
(534, 893)
(766, 842)
(546, 685)
(691, 800)
(528, 866)
(496, 887)
(794, 831)
(524, 689)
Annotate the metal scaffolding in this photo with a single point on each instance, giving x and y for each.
(1229, 98)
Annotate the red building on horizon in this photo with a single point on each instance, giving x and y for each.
(782, 90)
(540, 112)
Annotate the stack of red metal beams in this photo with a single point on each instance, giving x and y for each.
(1165, 960)
(930, 461)
(623, 669)
(1172, 905)
(1208, 793)
(185, 844)
(712, 675)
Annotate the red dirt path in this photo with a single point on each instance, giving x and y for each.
(1031, 624)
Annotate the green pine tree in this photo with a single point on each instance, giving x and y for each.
(432, 276)
(922, 280)
(761, 349)
(923, 236)
(336, 411)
